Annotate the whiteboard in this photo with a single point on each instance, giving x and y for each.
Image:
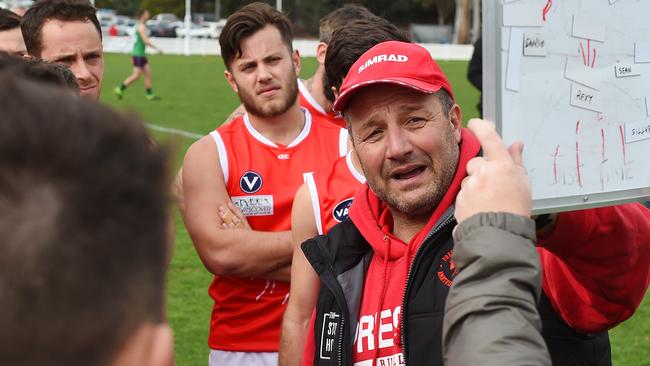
(571, 79)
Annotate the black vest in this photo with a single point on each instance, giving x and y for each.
(341, 259)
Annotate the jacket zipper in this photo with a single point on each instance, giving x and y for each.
(408, 281)
(341, 330)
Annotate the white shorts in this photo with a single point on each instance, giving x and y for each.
(228, 358)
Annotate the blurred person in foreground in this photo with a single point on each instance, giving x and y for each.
(83, 233)
(11, 39)
(68, 32)
(38, 70)
(139, 59)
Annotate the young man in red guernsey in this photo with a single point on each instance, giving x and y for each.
(255, 163)
(314, 94)
(385, 273)
(324, 200)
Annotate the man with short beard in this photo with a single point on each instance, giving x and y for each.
(67, 32)
(253, 167)
(386, 272)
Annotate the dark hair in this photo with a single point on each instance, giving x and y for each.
(140, 12)
(44, 10)
(54, 74)
(8, 20)
(83, 230)
(247, 21)
(348, 43)
(341, 17)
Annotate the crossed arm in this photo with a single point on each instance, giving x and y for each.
(224, 249)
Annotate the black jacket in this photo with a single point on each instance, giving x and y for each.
(341, 259)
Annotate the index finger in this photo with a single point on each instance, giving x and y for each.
(493, 147)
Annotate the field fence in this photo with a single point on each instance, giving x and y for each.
(306, 47)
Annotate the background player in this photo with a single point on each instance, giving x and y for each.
(141, 66)
(76, 290)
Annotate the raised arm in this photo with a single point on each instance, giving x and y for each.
(304, 283)
(491, 316)
(225, 251)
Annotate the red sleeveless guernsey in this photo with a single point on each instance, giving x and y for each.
(308, 101)
(261, 179)
(332, 191)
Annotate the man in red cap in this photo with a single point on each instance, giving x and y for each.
(385, 273)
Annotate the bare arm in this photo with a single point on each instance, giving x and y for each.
(232, 251)
(304, 283)
(142, 29)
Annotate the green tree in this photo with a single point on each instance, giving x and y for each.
(164, 6)
(122, 7)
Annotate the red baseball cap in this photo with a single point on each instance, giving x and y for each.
(400, 63)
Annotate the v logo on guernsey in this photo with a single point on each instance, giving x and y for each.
(250, 182)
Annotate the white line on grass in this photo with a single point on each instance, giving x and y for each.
(174, 131)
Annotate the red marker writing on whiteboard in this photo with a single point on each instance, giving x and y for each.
(547, 8)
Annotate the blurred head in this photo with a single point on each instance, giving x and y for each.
(143, 15)
(262, 67)
(11, 39)
(67, 31)
(404, 124)
(350, 42)
(341, 17)
(40, 71)
(83, 234)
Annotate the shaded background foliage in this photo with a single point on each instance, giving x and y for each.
(305, 14)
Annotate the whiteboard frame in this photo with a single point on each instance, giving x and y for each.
(492, 31)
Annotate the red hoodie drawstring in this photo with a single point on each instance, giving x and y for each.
(386, 238)
(397, 338)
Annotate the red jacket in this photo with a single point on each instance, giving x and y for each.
(596, 265)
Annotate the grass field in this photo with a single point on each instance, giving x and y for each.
(195, 98)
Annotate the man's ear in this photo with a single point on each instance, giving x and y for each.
(335, 92)
(321, 51)
(231, 81)
(456, 120)
(295, 57)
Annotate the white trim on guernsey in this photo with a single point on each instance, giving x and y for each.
(360, 177)
(313, 194)
(258, 136)
(261, 138)
(223, 155)
(305, 131)
(343, 142)
(310, 98)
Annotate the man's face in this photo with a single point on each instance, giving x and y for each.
(406, 145)
(11, 41)
(265, 76)
(78, 45)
